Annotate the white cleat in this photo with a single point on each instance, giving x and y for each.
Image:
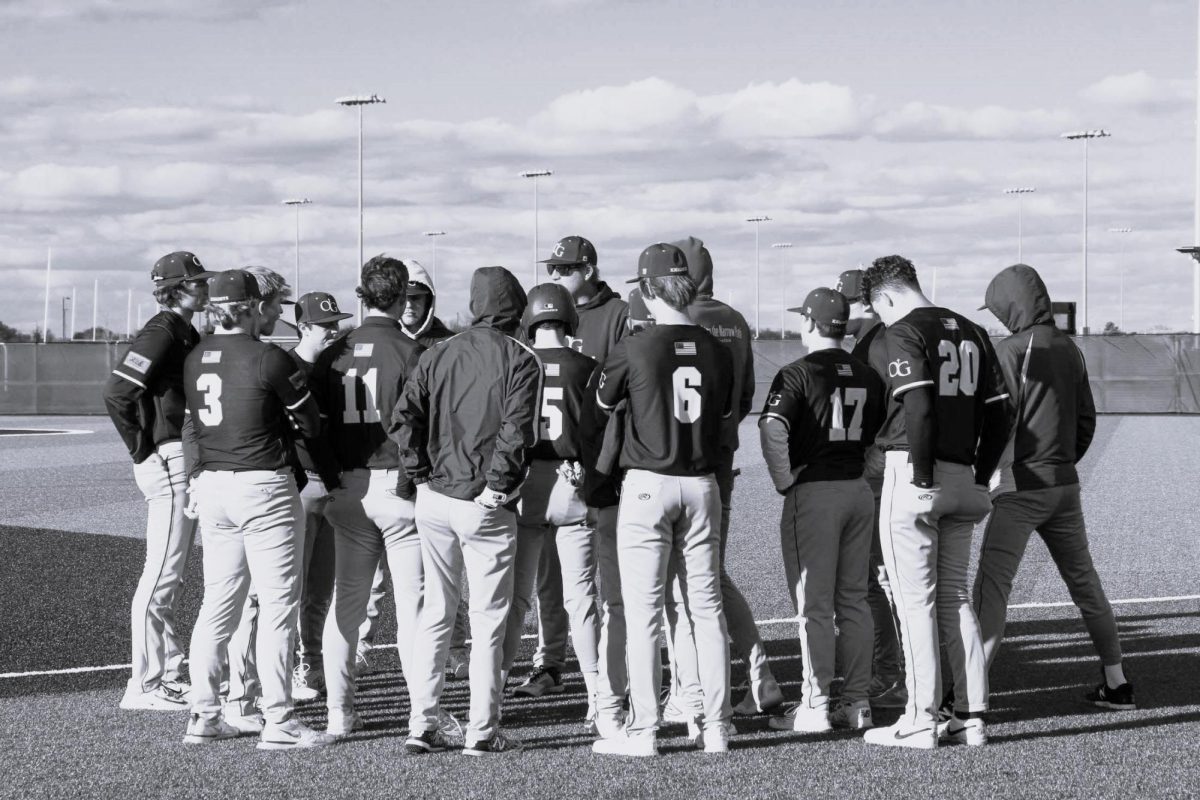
(292, 735)
(642, 744)
(855, 716)
(307, 682)
(902, 735)
(716, 737)
(971, 732)
(245, 723)
(761, 697)
(342, 724)
(163, 698)
(201, 730)
(802, 719)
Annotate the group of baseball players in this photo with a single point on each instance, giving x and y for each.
(578, 449)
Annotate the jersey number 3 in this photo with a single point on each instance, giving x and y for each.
(353, 413)
(855, 399)
(212, 413)
(685, 381)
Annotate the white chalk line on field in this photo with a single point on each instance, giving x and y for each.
(779, 621)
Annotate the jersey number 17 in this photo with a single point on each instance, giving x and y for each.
(839, 401)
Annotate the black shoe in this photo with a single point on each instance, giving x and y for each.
(498, 744)
(428, 742)
(544, 680)
(1118, 699)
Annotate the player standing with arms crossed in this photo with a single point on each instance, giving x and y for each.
(820, 416)
(241, 393)
(942, 368)
(463, 425)
(145, 399)
(360, 379)
(675, 376)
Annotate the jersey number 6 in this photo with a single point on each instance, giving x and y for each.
(685, 381)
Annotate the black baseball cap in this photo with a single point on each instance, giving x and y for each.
(572, 251)
(175, 268)
(661, 260)
(850, 284)
(637, 307)
(317, 308)
(233, 286)
(828, 306)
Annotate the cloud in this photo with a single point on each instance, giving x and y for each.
(1140, 91)
(115, 10)
(638, 107)
(792, 109)
(918, 121)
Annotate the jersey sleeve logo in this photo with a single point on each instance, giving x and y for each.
(685, 348)
(139, 363)
(363, 349)
(900, 368)
(774, 399)
(297, 380)
(210, 357)
(603, 377)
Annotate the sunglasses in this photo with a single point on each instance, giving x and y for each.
(563, 269)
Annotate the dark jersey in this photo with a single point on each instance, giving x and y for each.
(358, 381)
(315, 454)
(144, 395)
(871, 349)
(936, 348)
(565, 375)
(679, 383)
(239, 394)
(831, 404)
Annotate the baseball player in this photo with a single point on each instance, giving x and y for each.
(887, 665)
(573, 264)
(943, 370)
(821, 414)
(420, 322)
(144, 397)
(463, 425)
(240, 394)
(674, 376)
(359, 379)
(317, 320)
(1047, 378)
(552, 504)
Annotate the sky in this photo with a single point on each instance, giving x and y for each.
(131, 128)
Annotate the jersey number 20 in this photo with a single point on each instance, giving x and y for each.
(855, 399)
(685, 381)
(212, 413)
(960, 368)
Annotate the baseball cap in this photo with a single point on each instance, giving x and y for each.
(828, 306)
(573, 250)
(850, 284)
(233, 286)
(661, 260)
(175, 268)
(318, 307)
(637, 307)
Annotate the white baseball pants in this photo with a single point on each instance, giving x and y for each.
(613, 683)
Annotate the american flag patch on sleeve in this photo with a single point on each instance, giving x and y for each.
(211, 357)
(950, 323)
(685, 348)
(363, 349)
(551, 370)
(845, 370)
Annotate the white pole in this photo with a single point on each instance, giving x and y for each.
(72, 336)
(46, 301)
(297, 249)
(434, 260)
(1020, 258)
(95, 305)
(129, 314)
(358, 269)
(1196, 221)
(1085, 237)
(756, 292)
(535, 231)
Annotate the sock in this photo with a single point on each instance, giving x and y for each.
(1114, 676)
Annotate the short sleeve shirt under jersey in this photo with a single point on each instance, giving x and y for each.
(936, 348)
(565, 375)
(238, 393)
(831, 404)
(679, 383)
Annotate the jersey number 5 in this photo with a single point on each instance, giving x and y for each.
(212, 413)
(685, 381)
(855, 399)
(552, 415)
(355, 414)
(960, 368)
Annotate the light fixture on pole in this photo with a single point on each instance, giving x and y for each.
(535, 174)
(359, 101)
(1086, 136)
(433, 237)
(1121, 272)
(783, 292)
(757, 224)
(296, 203)
(1020, 191)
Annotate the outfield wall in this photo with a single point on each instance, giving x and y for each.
(1139, 374)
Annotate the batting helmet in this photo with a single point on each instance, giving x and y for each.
(549, 302)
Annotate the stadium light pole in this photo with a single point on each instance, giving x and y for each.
(296, 203)
(1020, 191)
(1086, 136)
(783, 289)
(535, 174)
(433, 237)
(1121, 271)
(359, 101)
(1194, 250)
(757, 224)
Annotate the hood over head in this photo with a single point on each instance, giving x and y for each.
(700, 264)
(419, 276)
(497, 299)
(1018, 298)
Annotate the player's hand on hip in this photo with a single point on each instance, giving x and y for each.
(192, 509)
(572, 472)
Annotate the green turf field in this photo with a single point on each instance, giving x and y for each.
(70, 552)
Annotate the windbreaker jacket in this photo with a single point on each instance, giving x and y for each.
(431, 330)
(1047, 379)
(471, 407)
(601, 323)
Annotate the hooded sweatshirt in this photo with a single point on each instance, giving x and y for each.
(1047, 378)
(601, 323)
(470, 409)
(726, 324)
(430, 330)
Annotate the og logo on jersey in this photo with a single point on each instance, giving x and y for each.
(899, 368)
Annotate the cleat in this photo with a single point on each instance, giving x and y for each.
(900, 736)
(609, 726)
(292, 735)
(497, 744)
(1118, 699)
(887, 694)
(458, 665)
(182, 688)
(716, 737)
(760, 698)
(307, 682)
(245, 723)
(641, 744)
(164, 698)
(362, 661)
(427, 742)
(855, 716)
(202, 730)
(544, 680)
(451, 729)
(802, 719)
(674, 711)
(342, 724)
(695, 732)
(963, 731)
